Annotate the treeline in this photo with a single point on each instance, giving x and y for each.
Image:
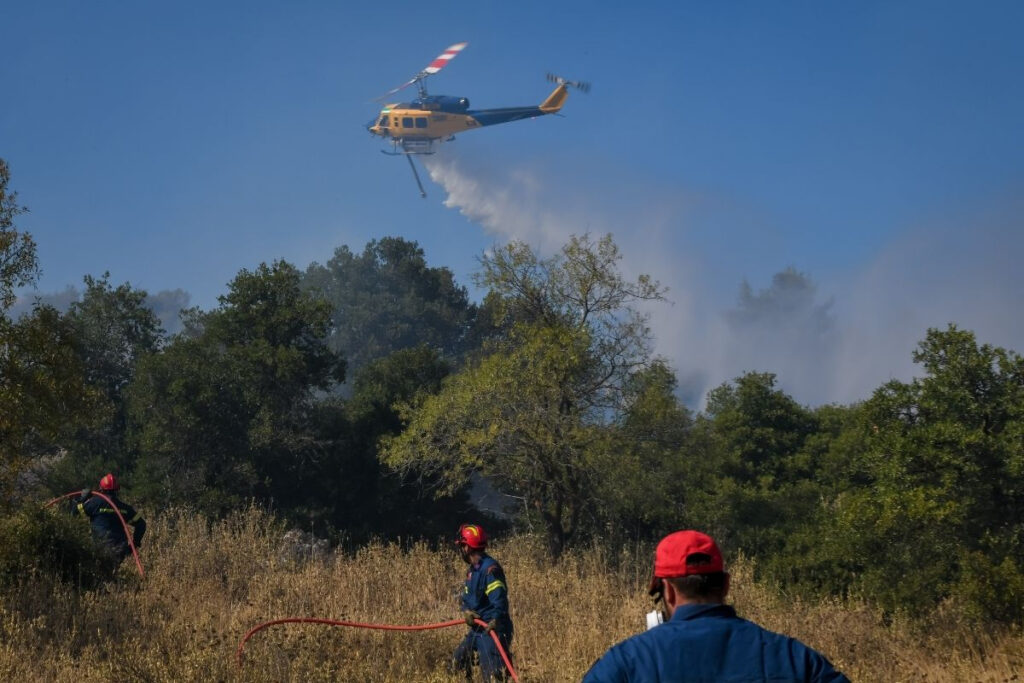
(368, 396)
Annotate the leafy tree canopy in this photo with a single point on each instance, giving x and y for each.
(387, 298)
(229, 409)
(943, 461)
(44, 395)
(528, 413)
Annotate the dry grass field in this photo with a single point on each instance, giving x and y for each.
(206, 585)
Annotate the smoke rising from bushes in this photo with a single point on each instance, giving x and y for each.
(165, 304)
(829, 337)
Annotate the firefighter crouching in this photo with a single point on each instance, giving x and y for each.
(106, 527)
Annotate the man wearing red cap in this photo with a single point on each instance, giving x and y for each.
(701, 638)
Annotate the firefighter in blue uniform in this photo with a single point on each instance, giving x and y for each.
(106, 526)
(484, 597)
(701, 638)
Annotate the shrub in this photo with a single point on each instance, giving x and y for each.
(48, 543)
(991, 589)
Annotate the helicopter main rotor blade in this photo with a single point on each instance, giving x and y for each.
(391, 92)
(445, 57)
(439, 63)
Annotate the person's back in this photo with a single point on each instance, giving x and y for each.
(701, 638)
(710, 643)
(106, 525)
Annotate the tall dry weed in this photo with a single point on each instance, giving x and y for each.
(207, 583)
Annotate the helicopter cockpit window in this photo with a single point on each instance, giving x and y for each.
(421, 122)
(407, 122)
(383, 122)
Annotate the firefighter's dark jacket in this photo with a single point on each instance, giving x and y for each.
(485, 591)
(106, 527)
(703, 642)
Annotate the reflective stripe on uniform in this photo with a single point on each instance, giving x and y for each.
(493, 585)
(81, 509)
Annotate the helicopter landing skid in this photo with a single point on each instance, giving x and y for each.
(408, 150)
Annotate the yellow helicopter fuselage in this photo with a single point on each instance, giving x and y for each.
(418, 124)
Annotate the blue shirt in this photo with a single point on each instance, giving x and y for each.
(705, 642)
(106, 525)
(485, 591)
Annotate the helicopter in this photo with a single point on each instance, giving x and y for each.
(419, 126)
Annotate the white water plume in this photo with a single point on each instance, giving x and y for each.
(828, 337)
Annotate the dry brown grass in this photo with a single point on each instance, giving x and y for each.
(207, 585)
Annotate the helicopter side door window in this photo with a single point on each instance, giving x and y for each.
(421, 122)
(407, 122)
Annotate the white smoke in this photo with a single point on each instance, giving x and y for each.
(965, 270)
(166, 304)
(829, 339)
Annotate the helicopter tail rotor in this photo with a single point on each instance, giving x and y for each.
(582, 86)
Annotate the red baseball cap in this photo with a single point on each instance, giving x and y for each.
(685, 553)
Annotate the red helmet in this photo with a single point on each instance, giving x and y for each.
(109, 483)
(472, 536)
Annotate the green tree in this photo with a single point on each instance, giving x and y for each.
(44, 396)
(530, 413)
(229, 409)
(372, 499)
(113, 328)
(398, 377)
(943, 509)
(387, 299)
(18, 264)
(651, 461)
(42, 388)
(758, 480)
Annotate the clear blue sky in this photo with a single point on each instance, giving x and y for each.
(175, 143)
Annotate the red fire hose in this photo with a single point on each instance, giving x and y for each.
(379, 627)
(127, 531)
(306, 620)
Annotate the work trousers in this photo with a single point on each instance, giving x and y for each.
(491, 664)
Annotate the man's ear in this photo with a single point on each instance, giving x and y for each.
(725, 585)
(669, 594)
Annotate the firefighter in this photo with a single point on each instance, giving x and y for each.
(701, 638)
(106, 526)
(484, 597)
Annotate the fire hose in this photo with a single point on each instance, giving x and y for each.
(127, 531)
(306, 620)
(379, 627)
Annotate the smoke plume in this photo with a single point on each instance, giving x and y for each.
(166, 304)
(829, 337)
